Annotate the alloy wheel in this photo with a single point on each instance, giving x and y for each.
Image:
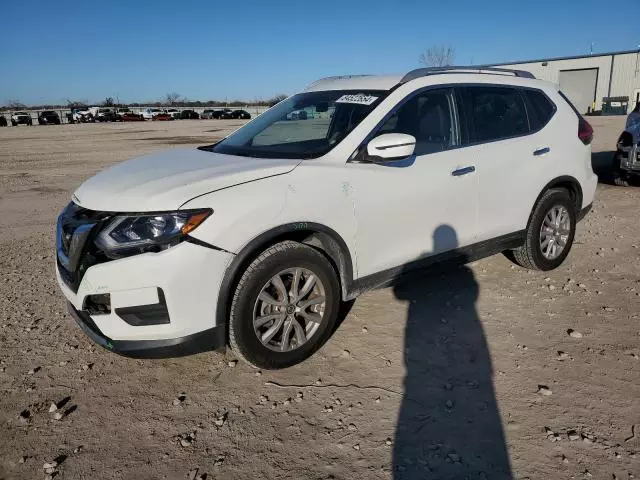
(289, 309)
(554, 232)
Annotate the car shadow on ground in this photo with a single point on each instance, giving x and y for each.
(602, 162)
(449, 425)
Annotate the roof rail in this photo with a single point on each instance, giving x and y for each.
(423, 72)
(336, 77)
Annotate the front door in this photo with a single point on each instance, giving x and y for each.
(420, 206)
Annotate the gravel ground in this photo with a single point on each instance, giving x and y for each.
(484, 371)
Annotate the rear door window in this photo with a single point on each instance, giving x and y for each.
(539, 108)
(495, 113)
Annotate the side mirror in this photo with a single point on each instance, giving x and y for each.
(390, 146)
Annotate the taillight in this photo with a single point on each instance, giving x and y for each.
(585, 131)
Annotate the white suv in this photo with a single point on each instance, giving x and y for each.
(254, 241)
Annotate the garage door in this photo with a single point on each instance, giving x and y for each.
(580, 87)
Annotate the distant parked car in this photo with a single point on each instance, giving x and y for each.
(72, 116)
(241, 114)
(120, 112)
(130, 117)
(21, 118)
(83, 114)
(173, 112)
(225, 114)
(189, 115)
(298, 115)
(207, 114)
(48, 117)
(3, 121)
(149, 113)
(105, 115)
(626, 160)
(162, 116)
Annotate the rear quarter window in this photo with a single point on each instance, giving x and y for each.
(540, 109)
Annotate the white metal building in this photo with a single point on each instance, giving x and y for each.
(587, 79)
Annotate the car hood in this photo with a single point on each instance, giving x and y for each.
(166, 180)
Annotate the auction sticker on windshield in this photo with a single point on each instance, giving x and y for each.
(360, 99)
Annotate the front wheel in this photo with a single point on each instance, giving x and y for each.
(550, 233)
(620, 177)
(284, 306)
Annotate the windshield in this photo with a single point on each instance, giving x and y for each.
(306, 125)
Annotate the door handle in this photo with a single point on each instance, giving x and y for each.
(463, 171)
(541, 151)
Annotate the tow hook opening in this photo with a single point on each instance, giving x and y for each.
(98, 304)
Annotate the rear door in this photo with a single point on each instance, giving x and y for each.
(512, 159)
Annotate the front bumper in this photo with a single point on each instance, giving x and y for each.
(155, 300)
(630, 159)
(189, 277)
(211, 339)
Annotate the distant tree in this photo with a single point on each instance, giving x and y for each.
(438, 56)
(71, 104)
(15, 104)
(277, 99)
(108, 102)
(173, 98)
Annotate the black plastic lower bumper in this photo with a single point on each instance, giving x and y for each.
(583, 213)
(207, 340)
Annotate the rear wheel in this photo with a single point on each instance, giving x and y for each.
(284, 306)
(550, 233)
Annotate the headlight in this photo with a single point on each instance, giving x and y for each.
(130, 234)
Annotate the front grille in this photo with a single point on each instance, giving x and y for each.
(75, 250)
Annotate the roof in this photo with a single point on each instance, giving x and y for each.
(387, 82)
(359, 82)
(573, 57)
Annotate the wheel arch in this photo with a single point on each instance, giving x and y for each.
(571, 184)
(316, 235)
(625, 139)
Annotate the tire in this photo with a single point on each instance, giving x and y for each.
(243, 338)
(14, 123)
(531, 255)
(620, 180)
(620, 177)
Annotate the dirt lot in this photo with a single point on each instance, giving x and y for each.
(462, 373)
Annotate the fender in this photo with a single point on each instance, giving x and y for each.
(625, 140)
(309, 233)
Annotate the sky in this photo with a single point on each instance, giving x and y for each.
(254, 49)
